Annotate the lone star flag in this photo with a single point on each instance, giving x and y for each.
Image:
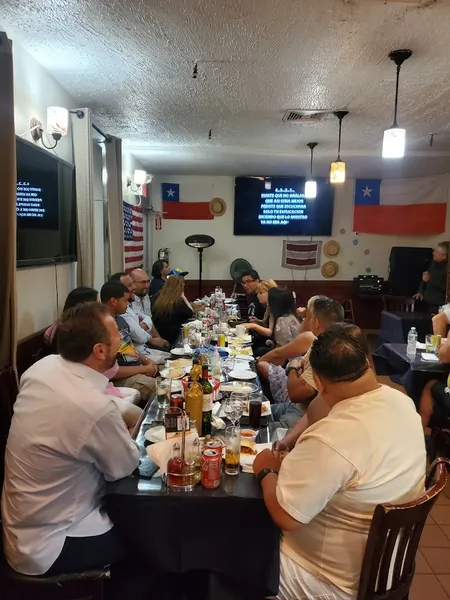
(174, 209)
(415, 206)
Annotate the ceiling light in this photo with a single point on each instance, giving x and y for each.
(395, 137)
(311, 184)
(337, 169)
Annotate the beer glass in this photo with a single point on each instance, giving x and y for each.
(232, 449)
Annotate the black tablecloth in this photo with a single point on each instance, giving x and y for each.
(227, 533)
(391, 360)
(396, 325)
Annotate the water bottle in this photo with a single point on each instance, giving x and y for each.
(411, 348)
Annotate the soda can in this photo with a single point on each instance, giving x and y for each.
(176, 400)
(214, 445)
(211, 467)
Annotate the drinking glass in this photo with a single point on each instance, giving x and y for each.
(232, 450)
(227, 367)
(430, 343)
(254, 412)
(235, 406)
(163, 387)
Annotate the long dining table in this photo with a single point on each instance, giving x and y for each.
(221, 544)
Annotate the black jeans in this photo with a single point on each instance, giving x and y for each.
(85, 553)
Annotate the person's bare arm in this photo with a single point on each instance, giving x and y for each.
(264, 331)
(147, 367)
(290, 439)
(444, 353)
(440, 324)
(298, 389)
(299, 346)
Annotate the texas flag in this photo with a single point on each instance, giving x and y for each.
(415, 206)
(174, 209)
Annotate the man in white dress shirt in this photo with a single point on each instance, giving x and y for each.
(66, 438)
(368, 450)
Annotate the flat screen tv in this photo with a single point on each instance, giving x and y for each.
(46, 207)
(277, 206)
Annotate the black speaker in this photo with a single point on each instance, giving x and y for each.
(406, 266)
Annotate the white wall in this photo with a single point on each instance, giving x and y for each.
(34, 90)
(264, 253)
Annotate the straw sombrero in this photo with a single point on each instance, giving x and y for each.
(217, 207)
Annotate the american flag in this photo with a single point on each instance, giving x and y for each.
(133, 234)
(301, 255)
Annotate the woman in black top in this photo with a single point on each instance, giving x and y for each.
(160, 270)
(170, 309)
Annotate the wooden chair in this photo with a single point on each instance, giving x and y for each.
(389, 559)
(398, 304)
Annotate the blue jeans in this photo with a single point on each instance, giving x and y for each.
(286, 415)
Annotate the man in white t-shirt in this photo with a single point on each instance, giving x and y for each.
(369, 450)
(66, 438)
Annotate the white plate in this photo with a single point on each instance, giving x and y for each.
(247, 460)
(155, 434)
(180, 352)
(265, 409)
(230, 301)
(165, 373)
(243, 357)
(244, 375)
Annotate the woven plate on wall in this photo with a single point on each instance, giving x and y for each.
(329, 269)
(331, 248)
(217, 207)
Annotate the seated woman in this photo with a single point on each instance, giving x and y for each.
(125, 398)
(171, 308)
(283, 325)
(259, 340)
(160, 270)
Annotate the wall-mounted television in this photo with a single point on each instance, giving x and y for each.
(46, 207)
(277, 206)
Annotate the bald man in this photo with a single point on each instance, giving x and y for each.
(141, 302)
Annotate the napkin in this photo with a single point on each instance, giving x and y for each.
(162, 451)
(247, 460)
(430, 357)
(216, 421)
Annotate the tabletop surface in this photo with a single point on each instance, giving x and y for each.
(416, 364)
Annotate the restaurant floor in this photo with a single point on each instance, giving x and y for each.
(432, 578)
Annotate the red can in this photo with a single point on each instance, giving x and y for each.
(211, 467)
(214, 445)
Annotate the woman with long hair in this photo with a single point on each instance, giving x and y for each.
(283, 324)
(170, 309)
(160, 270)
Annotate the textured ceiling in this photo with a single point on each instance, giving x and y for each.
(132, 62)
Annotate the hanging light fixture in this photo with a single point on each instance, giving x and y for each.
(394, 138)
(337, 169)
(310, 183)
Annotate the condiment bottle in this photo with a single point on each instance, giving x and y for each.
(193, 400)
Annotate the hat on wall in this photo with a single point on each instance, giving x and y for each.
(217, 207)
(329, 269)
(331, 248)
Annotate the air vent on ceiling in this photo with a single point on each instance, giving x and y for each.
(294, 115)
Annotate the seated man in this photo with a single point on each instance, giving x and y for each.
(142, 329)
(141, 302)
(294, 388)
(368, 450)
(318, 408)
(66, 438)
(250, 281)
(135, 370)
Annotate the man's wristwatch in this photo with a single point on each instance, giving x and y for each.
(296, 369)
(265, 472)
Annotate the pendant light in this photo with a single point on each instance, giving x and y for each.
(394, 138)
(310, 183)
(337, 169)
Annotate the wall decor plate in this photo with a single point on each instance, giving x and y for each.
(331, 248)
(330, 269)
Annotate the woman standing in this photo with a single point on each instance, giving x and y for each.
(170, 309)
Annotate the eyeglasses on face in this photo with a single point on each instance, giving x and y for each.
(248, 281)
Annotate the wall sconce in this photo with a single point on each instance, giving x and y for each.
(140, 178)
(57, 124)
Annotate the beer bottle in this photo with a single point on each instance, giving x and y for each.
(207, 401)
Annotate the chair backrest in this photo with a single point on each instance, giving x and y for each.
(389, 560)
(398, 304)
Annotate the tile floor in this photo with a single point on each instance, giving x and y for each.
(432, 578)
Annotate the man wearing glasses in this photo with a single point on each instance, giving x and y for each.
(250, 281)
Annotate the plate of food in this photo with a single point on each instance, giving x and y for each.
(242, 374)
(249, 451)
(240, 351)
(180, 362)
(173, 373)
(155, 434)
(265, 409)
(239, 386)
